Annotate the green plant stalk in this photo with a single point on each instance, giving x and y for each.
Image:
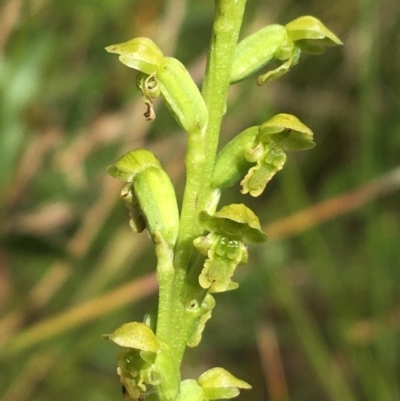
(228, 21)
(200, 158)
(165, 277)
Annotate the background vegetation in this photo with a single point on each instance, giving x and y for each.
(317, 314)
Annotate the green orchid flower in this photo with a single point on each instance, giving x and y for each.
(145, 364)
(165, 76)
(224, 245)
(281, 132)
(150, 195)
(282, 43)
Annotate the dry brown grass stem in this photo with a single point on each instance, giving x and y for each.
(81, 314)
(272, 363)
(334, 207)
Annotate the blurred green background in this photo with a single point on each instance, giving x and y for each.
(317, 313)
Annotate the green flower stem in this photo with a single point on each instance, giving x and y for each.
(165, 277)
(228, 20)
(201, 153)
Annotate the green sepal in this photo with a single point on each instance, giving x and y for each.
(288, 132)
(311, 35)
(133, 163)
(258, 49)
(191, 391)
(142, 54)
(218, 383)
(135, 335)
(231, 164)
(235, 221)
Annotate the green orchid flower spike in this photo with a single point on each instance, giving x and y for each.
(224, 246)
(199, 247)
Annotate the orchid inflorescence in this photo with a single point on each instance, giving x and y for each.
(199, 247)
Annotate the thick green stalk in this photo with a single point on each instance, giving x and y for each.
(165, 276)
(228, 20)
(201, 152)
